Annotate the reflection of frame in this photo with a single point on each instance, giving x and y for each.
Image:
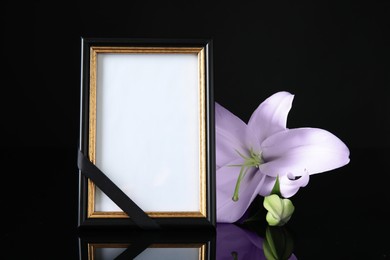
(169, 244)
(147, 124)
(154, 251)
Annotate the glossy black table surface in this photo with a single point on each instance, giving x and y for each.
(337, 216)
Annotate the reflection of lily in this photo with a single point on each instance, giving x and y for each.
(278, 244)
(265, 149)
(234, 243)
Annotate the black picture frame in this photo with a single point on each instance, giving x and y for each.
(105, 56)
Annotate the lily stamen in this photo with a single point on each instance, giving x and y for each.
(254, 160)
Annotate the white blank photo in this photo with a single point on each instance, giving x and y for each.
(147, 129)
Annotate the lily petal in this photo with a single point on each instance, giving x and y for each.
(266, 188)
(303, 150)
(271, 115)
(229, 211)
(229, 135)
(289, 186)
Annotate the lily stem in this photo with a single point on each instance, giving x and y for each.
(242, 174)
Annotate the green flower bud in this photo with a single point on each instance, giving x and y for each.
(279, 210)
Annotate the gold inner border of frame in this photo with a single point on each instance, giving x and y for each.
(93, 246)
(200, 51)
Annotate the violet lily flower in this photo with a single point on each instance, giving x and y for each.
(251, 156)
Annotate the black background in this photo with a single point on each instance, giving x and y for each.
(333, 56)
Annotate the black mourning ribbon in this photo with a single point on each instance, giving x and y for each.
(136, 214)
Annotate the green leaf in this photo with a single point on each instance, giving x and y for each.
(276, 188)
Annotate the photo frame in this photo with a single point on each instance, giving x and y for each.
(146, 154)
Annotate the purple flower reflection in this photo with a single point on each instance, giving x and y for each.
(234, 242)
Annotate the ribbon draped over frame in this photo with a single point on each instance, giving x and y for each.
(136, 214)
